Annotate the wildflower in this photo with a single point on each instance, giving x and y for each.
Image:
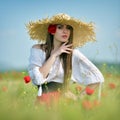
(23, 73)
(103, 94)
(48, 98)
(89, 91)
(96, 103)
(87, 104)
(4, 88)
(112, 85)
(78, 88)
(24, 92)
(27, 79)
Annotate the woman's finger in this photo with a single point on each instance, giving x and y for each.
(64, 43)
(69, 45)
(66, 52)
(69, 49)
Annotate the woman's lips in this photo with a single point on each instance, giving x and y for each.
(64, 36)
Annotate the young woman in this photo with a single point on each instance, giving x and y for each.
(55, 61)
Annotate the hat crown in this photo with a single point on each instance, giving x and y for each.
(62, 16)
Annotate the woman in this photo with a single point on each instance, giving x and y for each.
(56, 61)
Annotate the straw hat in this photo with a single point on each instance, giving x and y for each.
(82, 32)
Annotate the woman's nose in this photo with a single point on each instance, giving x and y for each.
(65, 30)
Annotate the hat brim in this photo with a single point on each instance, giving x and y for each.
(82, 32)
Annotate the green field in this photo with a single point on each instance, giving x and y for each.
(17, 100)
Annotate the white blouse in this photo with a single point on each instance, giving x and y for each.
(83, 70)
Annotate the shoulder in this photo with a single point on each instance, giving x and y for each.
(39, 46)
(78, 54)
(37, 49)
(37, 52)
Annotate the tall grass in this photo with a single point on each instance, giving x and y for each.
(17, 100)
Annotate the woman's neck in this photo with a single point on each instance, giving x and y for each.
(57, 44)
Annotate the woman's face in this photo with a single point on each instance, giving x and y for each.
(62, 33)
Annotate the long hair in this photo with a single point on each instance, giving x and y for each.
(67, 64)
(49, 45)
(67, 58)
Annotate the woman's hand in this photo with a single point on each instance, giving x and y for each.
(64, 48)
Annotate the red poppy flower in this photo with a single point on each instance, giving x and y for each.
(48, 98)
(112, 85)
(87, 105)
(4, 88)
(27, 79)
(96, 103)
(89, 90)
(52, 28)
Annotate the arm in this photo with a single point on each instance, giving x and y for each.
(85, 72)
(47, 65)
(55, 53)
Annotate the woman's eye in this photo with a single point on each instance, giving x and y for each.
(59, 26)
(62, 26)
(69, 27)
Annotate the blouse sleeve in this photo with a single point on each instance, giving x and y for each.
(84, 71)
(36, 59)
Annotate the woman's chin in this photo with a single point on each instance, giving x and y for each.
(64, 40)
